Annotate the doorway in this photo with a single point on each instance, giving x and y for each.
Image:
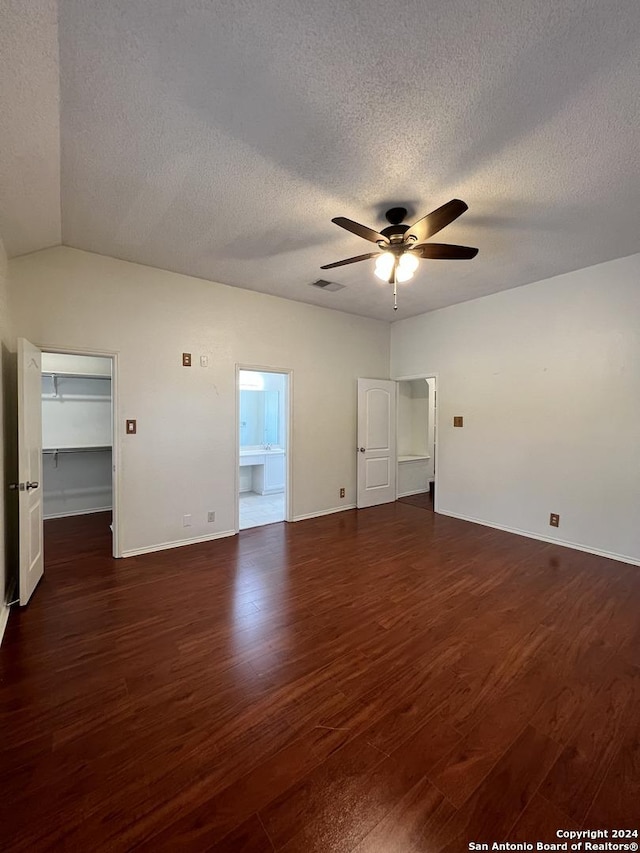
(263, 439)
(78, 464)
(417, 434)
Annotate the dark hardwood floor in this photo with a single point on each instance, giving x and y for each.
(424, 500)
(385, 680)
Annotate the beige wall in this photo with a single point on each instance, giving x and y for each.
(183, 458)
(6, 404)
(547, 378)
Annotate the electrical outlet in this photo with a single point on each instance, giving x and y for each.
(204, 361)
(342, 492)
(186, 520)
(554, 519)
(186, 359)
(211, 516)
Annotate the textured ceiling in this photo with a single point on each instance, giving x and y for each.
(219, 139)
(29, 125)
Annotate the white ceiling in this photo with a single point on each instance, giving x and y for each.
(219, 139)
(29, 126)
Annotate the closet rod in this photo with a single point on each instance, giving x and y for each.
(58, 375)
(75, 449)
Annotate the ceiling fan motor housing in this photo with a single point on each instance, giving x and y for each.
(395, 215)
(395, 231)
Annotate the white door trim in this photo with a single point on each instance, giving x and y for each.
(428, 375)
(115, 431)
(288, 493)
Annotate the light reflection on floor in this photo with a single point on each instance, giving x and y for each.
(261, 587)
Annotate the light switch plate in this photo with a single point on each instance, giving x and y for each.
(457, 421)
(132, 426)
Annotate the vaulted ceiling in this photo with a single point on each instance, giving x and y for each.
(219, 139)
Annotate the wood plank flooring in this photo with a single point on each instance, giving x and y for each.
(424, 500)
(379, 681)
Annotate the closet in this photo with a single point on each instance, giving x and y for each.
(416, 436)
(76, 434)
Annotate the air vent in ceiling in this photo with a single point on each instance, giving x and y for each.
(327, 285)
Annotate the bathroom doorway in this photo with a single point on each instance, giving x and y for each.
(263, 439)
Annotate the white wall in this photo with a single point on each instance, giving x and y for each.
(547, 378)
(6, 389)
(182, 459)
(76, 483)
(413, 416)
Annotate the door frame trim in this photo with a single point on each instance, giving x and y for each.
(436, 464)
(115, 432)
(288, 491)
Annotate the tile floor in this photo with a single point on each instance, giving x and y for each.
(256, 510)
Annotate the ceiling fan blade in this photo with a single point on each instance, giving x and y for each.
(360, 230)
(445, 252)
(436, 220)
(350, 261)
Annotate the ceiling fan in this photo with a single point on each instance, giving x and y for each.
(400, 246)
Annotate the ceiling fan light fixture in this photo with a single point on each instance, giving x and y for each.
(384, 265)
(408, 264)
(401, 246)
(403, 275)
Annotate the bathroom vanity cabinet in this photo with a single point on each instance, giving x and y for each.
(267, 470)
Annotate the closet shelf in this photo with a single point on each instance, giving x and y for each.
(55, 376)
(83, 398)
(62, 375)
(413, 458)
(88, 448)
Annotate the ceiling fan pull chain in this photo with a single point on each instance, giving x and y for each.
(395, 289)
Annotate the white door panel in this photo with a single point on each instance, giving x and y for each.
(377, 473)
(377, 423)
(376, 442)
(29, 467)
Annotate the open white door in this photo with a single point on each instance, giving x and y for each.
(29, 468)
(376, 442)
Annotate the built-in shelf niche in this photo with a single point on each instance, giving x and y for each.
(415, 436)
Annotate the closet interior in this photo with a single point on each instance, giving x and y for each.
(416, 436)
(76, 434)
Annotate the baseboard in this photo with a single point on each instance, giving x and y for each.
(4, 618)
(76, 512)
(323, 512)
(622, 558)
(415, 492)
(179, 543)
